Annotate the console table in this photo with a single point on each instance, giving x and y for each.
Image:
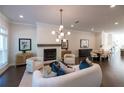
(21, 58)
(84, 52)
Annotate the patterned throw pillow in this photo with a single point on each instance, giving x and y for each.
(47, 72)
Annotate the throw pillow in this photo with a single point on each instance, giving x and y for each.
(54, 67)
(60, 71)
(66, 69)
(88, 61)
(83, 65)
(52, 74)
(47, 72)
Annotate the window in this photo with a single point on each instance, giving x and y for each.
(3, 47)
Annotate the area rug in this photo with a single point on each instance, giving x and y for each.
(26, 80)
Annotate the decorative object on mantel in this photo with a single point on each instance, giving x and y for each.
(60, 34)
(24, 44)
(64, 45)
(84, 43)
(101, 46)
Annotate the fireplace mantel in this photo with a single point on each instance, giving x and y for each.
(48, 45)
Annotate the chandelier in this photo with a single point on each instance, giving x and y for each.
(60, 34)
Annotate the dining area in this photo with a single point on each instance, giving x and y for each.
(100, 55)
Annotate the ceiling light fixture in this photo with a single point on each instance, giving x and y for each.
(60, 34)
(116, 23)
(53, 32)
(68, 33)
(112, 6)
(92, 29)
(21, 16)
(72, 25)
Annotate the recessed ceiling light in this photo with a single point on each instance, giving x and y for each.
(72, 25)
(116, 23)
(92, 29)
(21, 16)
(112, 6)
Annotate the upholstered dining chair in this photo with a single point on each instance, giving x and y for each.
(105, 55)
(93, 55)
(69, 59)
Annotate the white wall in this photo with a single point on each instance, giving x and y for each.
(98, 39)
(21, 31)
(104, 39)
(4, 22)
(44, 36)
(74, 40)
(107, 41)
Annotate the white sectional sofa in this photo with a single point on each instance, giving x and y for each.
(33, 63)
(89, 77)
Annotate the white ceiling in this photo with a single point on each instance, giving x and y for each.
(99, 17)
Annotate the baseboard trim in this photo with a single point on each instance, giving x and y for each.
(4, 69)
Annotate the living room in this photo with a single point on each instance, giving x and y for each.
(38, 24)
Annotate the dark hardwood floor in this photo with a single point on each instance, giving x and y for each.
(113, 73)
(12, 76)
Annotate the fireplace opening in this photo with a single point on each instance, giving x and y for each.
(49, 54)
